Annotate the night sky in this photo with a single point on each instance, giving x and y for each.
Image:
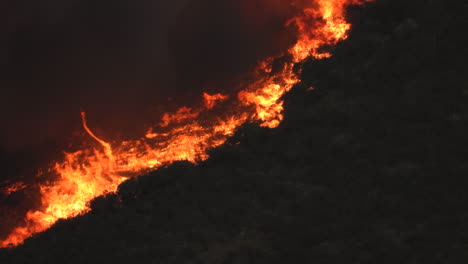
(370, 167)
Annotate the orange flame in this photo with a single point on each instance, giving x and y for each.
(185, 134)
(212, 100)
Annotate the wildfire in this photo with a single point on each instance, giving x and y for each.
(186, 134)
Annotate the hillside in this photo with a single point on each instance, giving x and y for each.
(369, 167)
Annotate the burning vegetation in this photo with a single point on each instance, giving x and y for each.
(186, 134)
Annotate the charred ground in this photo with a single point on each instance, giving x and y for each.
(370, 167)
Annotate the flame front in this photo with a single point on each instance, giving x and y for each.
(187, 134)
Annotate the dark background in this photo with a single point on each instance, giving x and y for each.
(370, 167)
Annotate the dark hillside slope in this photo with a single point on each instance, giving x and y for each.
(370, 167)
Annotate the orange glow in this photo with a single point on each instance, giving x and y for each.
(186, 134)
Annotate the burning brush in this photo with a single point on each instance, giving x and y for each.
(187, 134)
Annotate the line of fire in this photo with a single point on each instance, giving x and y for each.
(186, 134)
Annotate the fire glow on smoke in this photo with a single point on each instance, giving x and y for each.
(186, 134)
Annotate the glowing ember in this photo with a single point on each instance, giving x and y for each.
(184, 135)
(15, 187)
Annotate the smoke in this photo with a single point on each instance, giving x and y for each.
(106, 57)
(121, 60)
(213, 41)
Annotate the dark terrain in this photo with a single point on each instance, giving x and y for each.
(370, 167)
